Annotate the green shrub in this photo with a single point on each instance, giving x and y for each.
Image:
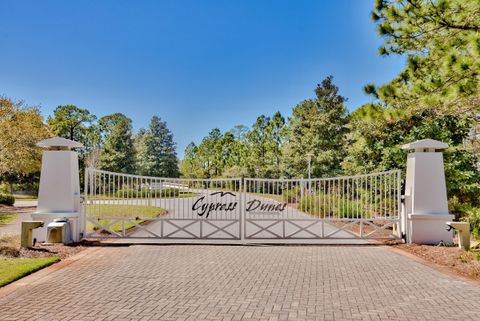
(467, 213)
(147, 193)
(472, 216)
(342, 201)
(4, 189)
(291, 195)
(7, 199)
(321, 205)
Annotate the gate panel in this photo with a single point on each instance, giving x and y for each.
(363, 207)
(129, 206)
(355, 207)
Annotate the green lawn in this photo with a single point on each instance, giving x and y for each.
(6, 218)
(118, 211)
(25, 197)
(12, 269)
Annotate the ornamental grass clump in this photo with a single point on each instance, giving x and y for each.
(10, 246)
(292, 195)
(323, 205)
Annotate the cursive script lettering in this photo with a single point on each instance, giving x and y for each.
(258, 206)
(203, 207)
(206, 208)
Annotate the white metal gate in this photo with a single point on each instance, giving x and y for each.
(122, 205)
(245, 210)
(362, 207)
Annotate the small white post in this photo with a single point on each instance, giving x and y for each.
(426, 204)
(59, 190)
(309, 155)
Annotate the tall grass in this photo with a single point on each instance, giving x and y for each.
(322, 205)
(340, 204)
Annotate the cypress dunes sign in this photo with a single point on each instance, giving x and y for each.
(203, 206)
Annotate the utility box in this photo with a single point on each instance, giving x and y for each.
(463, 230)
(26, 236)
(59, 231)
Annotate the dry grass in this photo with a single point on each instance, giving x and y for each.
(10, 246)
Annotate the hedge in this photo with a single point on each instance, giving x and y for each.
(7, 199)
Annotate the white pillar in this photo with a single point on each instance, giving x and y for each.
(59, 191)
(426, 204)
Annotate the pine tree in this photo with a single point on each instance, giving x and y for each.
(276, 130)
(441, 41)
(119, 152)
(264, 146)
(157, 151)
(107, 123)
(190, 165)
(317, 128)
(257, 140)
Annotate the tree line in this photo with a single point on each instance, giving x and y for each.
(275, 147)
(109, 142)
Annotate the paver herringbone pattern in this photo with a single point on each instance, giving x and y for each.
(244, 283)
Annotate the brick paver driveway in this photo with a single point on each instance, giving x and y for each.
(244, 283)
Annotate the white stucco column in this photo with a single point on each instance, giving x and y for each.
(426, 204)
(59, 191)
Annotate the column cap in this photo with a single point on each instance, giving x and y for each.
(59, 143)
(425, 145)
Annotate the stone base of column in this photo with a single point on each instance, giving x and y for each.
(429, 228)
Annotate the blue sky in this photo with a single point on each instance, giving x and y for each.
(196, 64)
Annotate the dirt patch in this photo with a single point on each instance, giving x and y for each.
(374, 229)
(17, 210)
(459, 261)
(60, 250)
(10, 247)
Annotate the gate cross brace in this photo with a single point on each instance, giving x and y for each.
(266, 229)
(105, 227)
(180, 228)
(220, 229)
(342, 228)
(305, 229)
(376, 228)
(143, 228)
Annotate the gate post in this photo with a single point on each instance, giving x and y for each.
(426, 205)
(59, 190)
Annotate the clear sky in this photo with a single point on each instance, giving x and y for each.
(196, 64)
